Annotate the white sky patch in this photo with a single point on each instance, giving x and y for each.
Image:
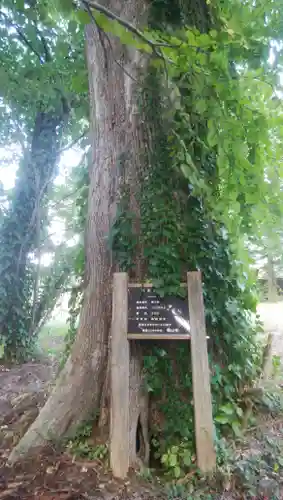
(56, 231)
(69, 160)
(45, 260)
(9, 162)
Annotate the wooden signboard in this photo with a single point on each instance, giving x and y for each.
(152, 317)
(138, 313)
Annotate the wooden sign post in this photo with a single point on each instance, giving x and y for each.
(206, 456)
(120, 379)
(138, 313)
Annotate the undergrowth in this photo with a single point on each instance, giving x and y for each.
(81, 445)
(247, 467)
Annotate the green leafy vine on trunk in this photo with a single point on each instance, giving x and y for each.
(76, 297)
(183, 229)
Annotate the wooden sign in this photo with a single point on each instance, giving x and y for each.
(153, 317)
(138, 313)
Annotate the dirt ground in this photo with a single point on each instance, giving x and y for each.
(58, 476)
(29, 378)
(55, 475)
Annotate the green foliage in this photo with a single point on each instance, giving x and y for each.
(276, 365)
(85, 450)
(266, 463)
(41, 58)
(178, 458)
(81, 447)
(16, 274)
(271, 401)
(28, 292)
(81, 181)
(241, 472)
(221, 105)
(43, 98)
(230, 414)
(75, 303)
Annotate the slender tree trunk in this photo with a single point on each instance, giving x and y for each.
(37, 270)
(271, 277)
(115, 135)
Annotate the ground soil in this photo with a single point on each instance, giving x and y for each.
(60, 477)
(57, 475)
(29, 378)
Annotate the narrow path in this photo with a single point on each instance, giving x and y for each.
(271, 314)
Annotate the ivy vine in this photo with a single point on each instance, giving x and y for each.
(181, 230)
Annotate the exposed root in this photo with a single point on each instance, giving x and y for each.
(76, 393)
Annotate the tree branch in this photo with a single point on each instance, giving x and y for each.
(102, 33)
(74, 142)
(46, 50)
(22, 36)
(99, 30)
(108, 13)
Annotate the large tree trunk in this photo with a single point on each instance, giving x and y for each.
(115, 135)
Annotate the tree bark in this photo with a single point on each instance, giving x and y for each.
(115, 134)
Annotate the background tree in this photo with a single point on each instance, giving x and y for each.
(265, 238)
(42, 110)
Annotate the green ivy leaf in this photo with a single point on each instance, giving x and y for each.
(228, 409)
(239, 411)
(20, 5)
(172, 460)
(82, 16)
(222, 419)
(236, 428)
(187, 458)
(186, 171)
(73, 26)
(212, 138)
(177, 471)
(66, 6)
(201, 106)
